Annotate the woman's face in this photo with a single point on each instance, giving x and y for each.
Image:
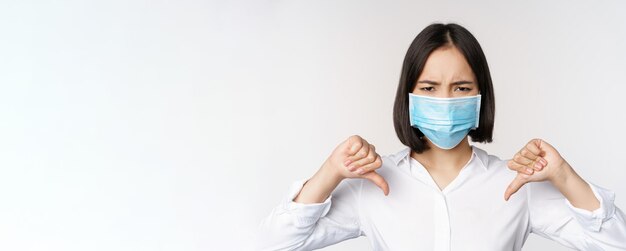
(446, 75)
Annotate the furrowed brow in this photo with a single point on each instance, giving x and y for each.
(428, 82)
(462, 82)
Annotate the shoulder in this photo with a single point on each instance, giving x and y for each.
(494, 164)
(489, 160)
(396, 157)
(394, 162)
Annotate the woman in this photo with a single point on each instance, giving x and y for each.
(440, 192)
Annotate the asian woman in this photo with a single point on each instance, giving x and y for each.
(441, 192)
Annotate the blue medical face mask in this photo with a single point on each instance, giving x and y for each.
(444, 121)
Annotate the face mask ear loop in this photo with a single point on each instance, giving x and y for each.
(478, 109)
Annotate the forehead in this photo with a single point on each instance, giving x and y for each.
(447, 63)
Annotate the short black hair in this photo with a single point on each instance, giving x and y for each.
(431, 38)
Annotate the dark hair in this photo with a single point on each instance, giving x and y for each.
(432, 37)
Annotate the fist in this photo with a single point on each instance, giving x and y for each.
(356, 158)
(536, 161)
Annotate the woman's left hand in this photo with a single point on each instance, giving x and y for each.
(537, 161)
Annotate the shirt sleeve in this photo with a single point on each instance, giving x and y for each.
(299, 226)
(554, 217)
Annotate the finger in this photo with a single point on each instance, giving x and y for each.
(377, 163)
(527, 153)
(515, 185)
(378, 181)
(537, 165)
(519, 167)
(533, 164)
(533, 147)
(362, 151)
(370, 158)
(536, 142)
(355, 160)
(354, 144)
(521, 159)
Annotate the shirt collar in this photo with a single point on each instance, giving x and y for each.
(404, 155)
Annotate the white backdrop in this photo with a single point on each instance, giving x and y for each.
(178, 125)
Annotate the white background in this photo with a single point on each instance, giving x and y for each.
(178, 125)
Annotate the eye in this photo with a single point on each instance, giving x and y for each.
(463, 89)
(428, 89)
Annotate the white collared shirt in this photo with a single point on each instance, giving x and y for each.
(468, 214)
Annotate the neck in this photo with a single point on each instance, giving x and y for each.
(437, 158)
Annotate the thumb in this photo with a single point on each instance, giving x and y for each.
(378, 180)
(515, 185)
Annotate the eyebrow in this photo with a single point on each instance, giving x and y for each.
(462, 82)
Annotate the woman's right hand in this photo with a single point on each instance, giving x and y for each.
(353, 158)
(356, 158)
